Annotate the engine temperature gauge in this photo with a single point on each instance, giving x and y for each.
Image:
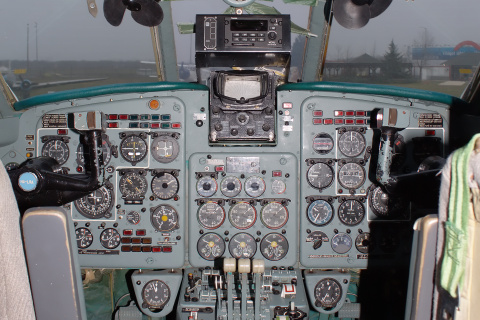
(274, 246)
(210, 246)
(242, 246)
(155, 294)
(207, 186)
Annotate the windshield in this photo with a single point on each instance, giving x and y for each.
(55, 45)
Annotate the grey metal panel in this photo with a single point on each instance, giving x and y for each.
(52, 264)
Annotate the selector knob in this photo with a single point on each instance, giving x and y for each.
(272, 35)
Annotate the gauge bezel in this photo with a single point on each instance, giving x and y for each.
(335, 246)
(324, 185)
(325, 221)
(250, 207)
(210, 192)
(211, 203)
(89, 243)
(222, 246)
(251, 239)
(338, 294)
(175, 148)
(238, 187)
(341, 178)
(360, 247)
(143, 154)
(263, 245)
(116, 234)
(170, 195)
(255, 193)
(351, 154)
(157, 225)
(148, 301)
(272, 203)
(127, 195)
(343, 218)
(64, 146)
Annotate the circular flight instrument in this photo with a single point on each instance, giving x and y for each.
(230, 186)
(351, 175)
(165, 185)
(328, 292)
(133, 185)
(351, 143)
(211, 215)
(155, 294)
(317, 238)
(207, 186)
(164, 218)
(386, 206)
(254, 186)
(106, 151)
(322, 143)
(274, 215)
(351, 212)
(274, 246)
(320, 175)
(56, 149)
(110, 238)
(133, 217)
(341, 243)
(210, 246)
(97, 204)
(133, 148)
(84, 238)
(165, 149)
(320, 212)
(362, 243)
(279, 186)
(242, 215)
(242, 246)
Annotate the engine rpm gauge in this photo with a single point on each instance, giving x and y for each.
(133, 185)
(207, 186)
(320, 212)
(211, 215)
(210, 246)
(96, 205)
(165, 149)
(155, 294)
(341, 243)
(164, 218)
(320, 175)
(328, 293)
(133, 149)
(56, 149)
(165, 185)
(242, 215)
(351, 143)
(230, 186)
(351, 175)
(274, 215)
(84, 238)
(254, 186)
(110, 238)
(351, 212)
(274, 246)
(242, 246)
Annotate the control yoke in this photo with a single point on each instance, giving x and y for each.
(40, 182)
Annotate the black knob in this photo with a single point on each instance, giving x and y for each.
(234, 132)
(250, 132)
(272, 35)
(218, 127)
(199, 123)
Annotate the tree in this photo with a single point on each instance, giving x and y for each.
(393, 62)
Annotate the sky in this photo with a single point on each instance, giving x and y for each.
(66, 31)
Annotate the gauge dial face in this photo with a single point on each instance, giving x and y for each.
(84, 238)
(379, 202)
(133, 185)
(351, 212)
(351, 143)
(211, 215)
(274, 246)
(320, 175)
(155, 294)
(320, 212)
(165, 149)
(362, 243)
(254, 186)
(230, 186)
(164, 218)
(278, 186)
(133, 149)
(274, 215)
(317, 238)
(341, 243)
(328, 292)
(97, 204)
(242, 215)
(322, 143)
(242, 246)
(165, 185)
(133, 217)
(207, 186)
(56, 149)
(106, 150)
(210, 246)
(110, 238)
(351, 175)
